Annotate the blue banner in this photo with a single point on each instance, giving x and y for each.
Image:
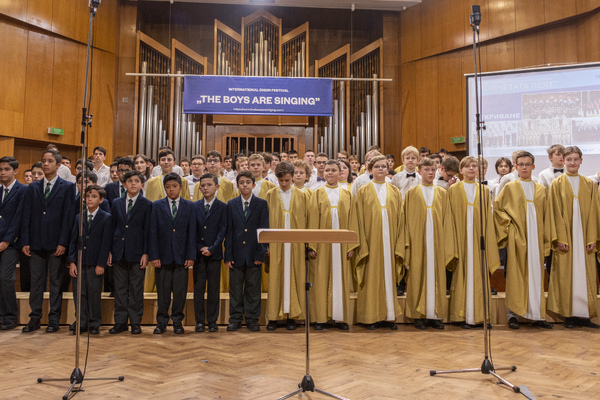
(237, 95)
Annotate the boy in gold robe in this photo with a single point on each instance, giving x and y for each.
(330, 271)
(524, 226)
(429, 249)
(378, 264)
(467, 288)
(287, 269)
(574, 202)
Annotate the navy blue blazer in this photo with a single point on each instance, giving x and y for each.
(104, 206)
(97, 239)
(47, 223)
(11, 210)
(172, 241)
(241, 241)
(130, 237)
(211, 227)
(112, 192)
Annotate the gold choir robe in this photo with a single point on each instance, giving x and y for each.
(459, 287)
(371, 303)
(297, 212)
(512, 231)
(562, 282)
(417, 240)
(265, 186)
(326, 277)
(155, 190)
(225, 193)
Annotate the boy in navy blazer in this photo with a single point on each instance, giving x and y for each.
(211, 224)
(117, 189)
(172, 250)
(90, 179)
(244, 255)
(45, 233)
(11, 208)
(131, 221)
(97, 239)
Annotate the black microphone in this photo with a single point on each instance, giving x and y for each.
(475, 17)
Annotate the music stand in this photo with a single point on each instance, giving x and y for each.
(306, 236)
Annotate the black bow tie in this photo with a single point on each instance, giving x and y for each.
(559, 170)
(484, 182)
(319, 179)
(371, 176)
(440, 179)
(196, 180)
(413, 175)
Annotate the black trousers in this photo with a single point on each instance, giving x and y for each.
(109, 280)
(24, 272)
(56, 270)
(171, 278)
(91, 297)
(244, 293)
(8, 276)
(207, 278)
(129, 292)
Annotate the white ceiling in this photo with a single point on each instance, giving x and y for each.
(390, 5)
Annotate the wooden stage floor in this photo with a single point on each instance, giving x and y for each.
(359, 364)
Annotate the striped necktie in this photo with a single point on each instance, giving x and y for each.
(174, 209)
(47, 191)
(246, 206)
(90, 218)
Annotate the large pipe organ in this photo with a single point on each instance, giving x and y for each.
(259, 49)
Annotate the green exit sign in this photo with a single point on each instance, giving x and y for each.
(56, 131)
(457, 139)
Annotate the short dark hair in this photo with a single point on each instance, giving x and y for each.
(426, 162)
(244, 174)
(113, 164)
(267, 157)
(523, 154)
(435, 156)
(100, 148)
(184, 159)
(210, 176)
(26, 171)
(334, 162)
(390, 157)
(14, 164)
(309, 151)
(55, 154)
(66, 158)
(424, 150)
(276, 154)
(172, 176)
(501, 160)
(125, 161)
(164, 153)
(214, 154)
(134, 172)
(199, 157)
(227, 157)
(91, 175)
(88, 164)
(284, 168)
(440, 151)
(292, 152)
(451, 164)
(322, 155)
(98, 188)
(350, 176)
(36, 165)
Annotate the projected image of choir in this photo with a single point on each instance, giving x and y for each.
(591, 104)
(551, 105)
(501, 134)
(418, 236)
(586, 131)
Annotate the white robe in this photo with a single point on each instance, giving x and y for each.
(428, 194)
(390, 287)
(470, 190)
(580, 299)
(336, 257)
(533, 256)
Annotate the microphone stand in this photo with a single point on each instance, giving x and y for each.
(487, 367)
(86, 120)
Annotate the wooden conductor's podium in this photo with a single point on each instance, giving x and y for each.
(307, 236)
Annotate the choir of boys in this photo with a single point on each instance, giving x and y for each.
(419, 226)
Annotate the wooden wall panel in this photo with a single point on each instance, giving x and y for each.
(38, 88)
(7, 146)
(588, 32)
(29, 152)
(64, 109)
(529, 50)
(559, 9)
(392, 137)
(63, 18)
(409, 106)
(106, 30)
(12, 102)
(431, 28)
(501, 17)
(454, 21)
(561, 44)
(410, 36)
(528, 14)
(500, 56)
(39, 13)
(427, 96)
(586, 5)
(450, 88)
(14, 8)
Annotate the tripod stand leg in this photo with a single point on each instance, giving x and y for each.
(454, 371)
(287, 396)
(335, 396)
(516, 389)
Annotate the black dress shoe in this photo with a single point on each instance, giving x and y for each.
(233, 326)
(253, 327)
(494, 291)
(586, 322)
(32, 325)
(118, 328)
(421, 324)
(73, 326)
(178, 328)
(136, 330)
(464, 325)
(160, 329)
(542, 324)
(271, 326)
(200, 327)
(342, 326)
(290, 324)
(213, 327)
(371, 327)
(436, 323)
(82, 330)
(399, 291)
(94, 330)
(513, 323)
(569, 322)
(8, 325)
(318, 326)
(51, 328)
